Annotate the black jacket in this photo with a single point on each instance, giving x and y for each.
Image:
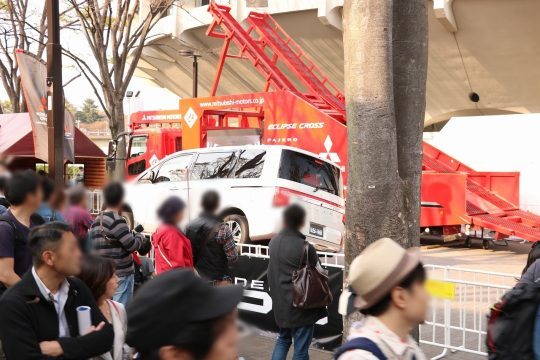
(286, 254)
(26, 319)
(208, 256)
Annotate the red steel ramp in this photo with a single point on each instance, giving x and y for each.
(267, 46)
(310, 75)
(485, 208)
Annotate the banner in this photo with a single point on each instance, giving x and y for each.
(256, 306)
(33, 73)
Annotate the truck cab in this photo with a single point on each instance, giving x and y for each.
(152, 135)
(147, 146)
(155, 134)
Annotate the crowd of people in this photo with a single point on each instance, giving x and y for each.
(60, 266)
(57, 261)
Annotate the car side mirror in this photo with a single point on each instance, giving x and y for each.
(111, 153)
(147, 178)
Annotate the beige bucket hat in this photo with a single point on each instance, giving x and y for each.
(372, 274)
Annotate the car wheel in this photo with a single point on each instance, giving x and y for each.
(239, 228)
(128, 216)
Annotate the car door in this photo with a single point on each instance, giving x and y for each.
(170, 178)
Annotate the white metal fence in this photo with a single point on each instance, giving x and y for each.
(454, 323)
(261, 251)
(458, 322)
(94, 201)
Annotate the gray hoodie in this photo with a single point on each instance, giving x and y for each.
(532, 274)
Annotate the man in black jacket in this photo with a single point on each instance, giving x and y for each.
(212, 242)
(286, 256)
(38, 317)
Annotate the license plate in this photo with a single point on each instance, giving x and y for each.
(316, 230)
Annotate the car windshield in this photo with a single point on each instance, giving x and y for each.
(307, 170)
(138, 146)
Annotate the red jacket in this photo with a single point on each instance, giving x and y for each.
(172, 249)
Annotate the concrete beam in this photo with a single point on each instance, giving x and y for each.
(145, 64)
(329, 13)
(445, 14)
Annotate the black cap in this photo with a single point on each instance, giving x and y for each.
(163, 307)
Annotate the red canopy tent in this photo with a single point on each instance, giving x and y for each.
(17, 141)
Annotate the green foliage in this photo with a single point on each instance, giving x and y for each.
(6, 106)
(70, 107)
(89, 112)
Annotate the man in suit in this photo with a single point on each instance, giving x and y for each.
(38, 317)
(286, 256)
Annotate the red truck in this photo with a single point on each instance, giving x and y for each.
(156, 134)
(153, 135)
(454, 196)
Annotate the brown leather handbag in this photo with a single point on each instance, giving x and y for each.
(310, 285)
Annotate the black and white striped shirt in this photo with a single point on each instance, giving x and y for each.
(118, 244)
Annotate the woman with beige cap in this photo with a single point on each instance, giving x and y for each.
(386, 284)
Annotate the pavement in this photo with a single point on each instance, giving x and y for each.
(259, 347)
(506, 259)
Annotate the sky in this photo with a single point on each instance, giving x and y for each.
(152, 96)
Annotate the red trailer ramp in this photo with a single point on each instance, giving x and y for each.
(324, 92)
(486, 207)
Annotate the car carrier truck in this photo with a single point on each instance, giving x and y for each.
(301, 107)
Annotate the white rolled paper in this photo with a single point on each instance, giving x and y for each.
(84, 319)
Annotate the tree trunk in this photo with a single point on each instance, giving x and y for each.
(374, 194)
(15, 104)
(410, 56)
(23, 106)
(385, 44)
(117, 127)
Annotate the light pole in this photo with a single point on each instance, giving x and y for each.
(192, 54)
(131, 95)
(55, 93)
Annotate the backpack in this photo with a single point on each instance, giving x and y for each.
(17, 238)
(16, 233)
(511, 321)
(35, 219)
(360, 343)
(4, 202)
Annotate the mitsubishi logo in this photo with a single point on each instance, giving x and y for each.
(190, 117)
(332, 156)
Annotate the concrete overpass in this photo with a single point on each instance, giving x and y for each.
(484, 55)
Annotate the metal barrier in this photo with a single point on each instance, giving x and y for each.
(94, 201)
(457, 322)
(261, 251)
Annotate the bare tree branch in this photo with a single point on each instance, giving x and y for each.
(116, 35)
(21, 27)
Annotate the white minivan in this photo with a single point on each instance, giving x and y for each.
(255, 183)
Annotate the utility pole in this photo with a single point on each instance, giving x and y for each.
(191, 54)
(195, 76)
(55, 94)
